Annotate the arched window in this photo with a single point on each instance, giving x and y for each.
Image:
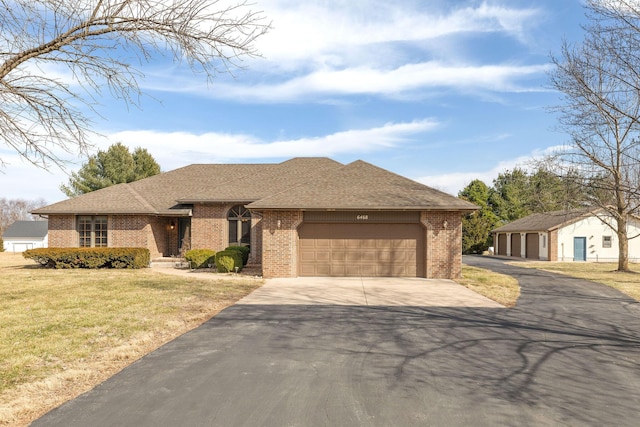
(239, 226)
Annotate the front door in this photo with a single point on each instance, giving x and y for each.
(579, 248)
(184, 234)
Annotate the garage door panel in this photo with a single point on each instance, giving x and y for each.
(308, 269)
(306, 255)
(502, 244)
(362, 250)
(335, 270)
(368, 270)
(336, 243)
(323, 255)
(369, 243)
(533, 246)
(352, 244)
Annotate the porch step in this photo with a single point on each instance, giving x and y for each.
(169, 262)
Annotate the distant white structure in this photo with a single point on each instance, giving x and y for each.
(23, 235)
(565, 236)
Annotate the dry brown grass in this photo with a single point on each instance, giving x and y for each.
(65, 331)
(626, 282)
(501, 288)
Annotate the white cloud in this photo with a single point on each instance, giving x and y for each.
(331, 31)
(20, 179)
(317, 50)
(453, 183)
(176, 149)
(407, 80)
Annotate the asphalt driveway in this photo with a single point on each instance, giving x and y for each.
(568, 354)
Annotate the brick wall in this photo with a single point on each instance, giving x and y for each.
(274, 239)
(210, 230)
(443, 252)
(444, 244)
(123, 231)
(62, 231)
(280, 243)
(209, 227)
(553, 245)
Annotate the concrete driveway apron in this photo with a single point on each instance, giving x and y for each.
(377, 291)
(567, 355)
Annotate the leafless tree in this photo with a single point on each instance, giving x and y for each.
(58, 57)
(12, 210)
(600, 110)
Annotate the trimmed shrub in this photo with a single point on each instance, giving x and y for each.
(200, 258)
(244, 251)
(90, 257)
(227, 261)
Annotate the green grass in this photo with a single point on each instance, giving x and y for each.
(65, 330)
(626, 282)
(499, 287)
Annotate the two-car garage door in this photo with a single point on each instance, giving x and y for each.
(367, 250)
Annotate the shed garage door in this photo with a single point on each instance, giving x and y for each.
(361, 250)
(502, 244)
(533, 246)
(515, 245)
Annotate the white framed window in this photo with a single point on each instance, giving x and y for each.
(606, 241)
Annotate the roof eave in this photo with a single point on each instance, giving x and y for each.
(360, 208)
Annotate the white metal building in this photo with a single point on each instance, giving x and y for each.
(23, 235)
(577, 235)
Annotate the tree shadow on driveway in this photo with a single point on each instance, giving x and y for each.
(567, 354)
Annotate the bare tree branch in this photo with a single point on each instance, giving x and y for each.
(96, 41)
(600, 111)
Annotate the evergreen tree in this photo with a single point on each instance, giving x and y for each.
(117, 165)
(477, 226)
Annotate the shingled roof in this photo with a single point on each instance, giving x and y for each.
(299, 183)
(26, 230)
(360, 185)
(548, 221)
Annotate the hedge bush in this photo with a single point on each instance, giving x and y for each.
(200, 258)
(244, 251)
(90, 257)
(227, 261)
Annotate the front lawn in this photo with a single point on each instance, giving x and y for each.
(501, 288)
(64, 331)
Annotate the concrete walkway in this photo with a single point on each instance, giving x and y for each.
(378, 291)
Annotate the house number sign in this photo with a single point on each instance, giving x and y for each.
(362, 217)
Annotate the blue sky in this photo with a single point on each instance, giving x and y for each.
(440, 91)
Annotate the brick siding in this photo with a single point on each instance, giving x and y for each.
(62, 231)
(444, 244)
(210, 230)
(552, 245)
(280, 243)
(274, 237)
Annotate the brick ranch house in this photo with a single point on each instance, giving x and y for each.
(301, 217)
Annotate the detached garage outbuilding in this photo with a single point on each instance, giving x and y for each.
(575, 235)
(24, 235)
(302, 217)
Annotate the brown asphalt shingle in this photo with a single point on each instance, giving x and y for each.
(544, 221)
(270, 179)
(299, 183)
(361, 185)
